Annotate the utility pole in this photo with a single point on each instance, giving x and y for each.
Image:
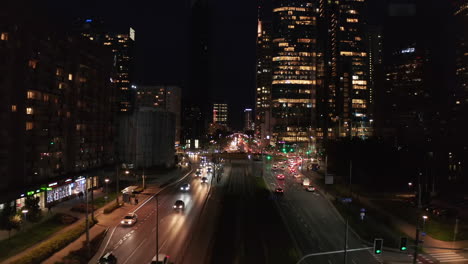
(117, 176)
(92, 199)
(455, 231)
(351, 177)
(157, 228)
(88, 249)
(346, 242)
(416, 244)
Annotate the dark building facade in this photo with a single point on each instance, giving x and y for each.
(166, 97)
(57, 110)
(293, 88)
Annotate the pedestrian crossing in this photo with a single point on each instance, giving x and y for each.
(448, 257)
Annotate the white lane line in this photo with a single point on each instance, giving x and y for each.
(135, 251)
(108, 241)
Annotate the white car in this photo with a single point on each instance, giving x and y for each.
(129, 219)
(306, 182)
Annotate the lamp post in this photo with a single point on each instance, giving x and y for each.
(157, 228)
(25, 212)
(107, 187)
(424, 217)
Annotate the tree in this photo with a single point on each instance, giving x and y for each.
(7, 219)
(32, 205)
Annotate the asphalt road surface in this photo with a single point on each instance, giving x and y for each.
(313, 223)
(137, 243)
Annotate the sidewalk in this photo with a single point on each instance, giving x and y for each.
(104, 220)
(404, 227)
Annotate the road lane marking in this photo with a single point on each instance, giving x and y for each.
(135, 250)
(108, 241)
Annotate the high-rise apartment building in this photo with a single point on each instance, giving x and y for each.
(407, 98)
(57, 111)
(264, 80)
(122, 47)
(459, 97)
(220, 114)
(343, 71)
(248, 122)
(293, 89)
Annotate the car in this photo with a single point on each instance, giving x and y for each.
(185, 187)
(306, 182)
(161, 259)
(108, 258)
(279, 190)
(204, 179)
(179, 205)
(274, 167)
(129, 219)
(280, 176)
(198, 174)
(209, 169)
(310, 188)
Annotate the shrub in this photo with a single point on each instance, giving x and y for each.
(80, 255)
(111, 208)
(48, 248)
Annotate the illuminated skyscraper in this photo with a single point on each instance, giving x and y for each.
(343, 71)
(220, 114)
(264, 78)
(293, 90)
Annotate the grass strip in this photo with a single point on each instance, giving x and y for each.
(29, 237)
(56, 243)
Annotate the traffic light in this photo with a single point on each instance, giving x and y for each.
(378, 245)
(403, 243)
(291, 150)
(268, 157)
(284, 150)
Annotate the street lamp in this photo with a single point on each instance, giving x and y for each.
(107, 187)
(410, 184)
(25, 212)
(424, 217)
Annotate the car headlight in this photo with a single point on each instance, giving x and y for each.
(175, 206)
(180, 206)
(122, 222)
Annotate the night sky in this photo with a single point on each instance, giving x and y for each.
(163, 39)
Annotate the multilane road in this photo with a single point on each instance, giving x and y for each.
(313, 222)
(137, 243)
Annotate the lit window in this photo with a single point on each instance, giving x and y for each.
(32, 64)
(70, 76)
(13, 108)
(29, 111)
(31, 95)
(29, 125)
(61, 85)
(4, 36)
